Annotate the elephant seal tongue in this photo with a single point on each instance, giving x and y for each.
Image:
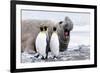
(65, 34)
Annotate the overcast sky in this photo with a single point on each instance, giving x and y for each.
(77, 18)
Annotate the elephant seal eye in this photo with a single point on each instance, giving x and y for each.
(60, 22)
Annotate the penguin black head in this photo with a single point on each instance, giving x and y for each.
(41, 28)
(45, 28)
(54, 28)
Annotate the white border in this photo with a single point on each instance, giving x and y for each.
(20, 65)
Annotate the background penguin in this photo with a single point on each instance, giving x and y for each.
(41, 42)
(54, 43)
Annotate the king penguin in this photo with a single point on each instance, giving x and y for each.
(41, 42)
(54, 43)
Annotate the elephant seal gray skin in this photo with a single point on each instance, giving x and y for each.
(64, 29)
(29, 32)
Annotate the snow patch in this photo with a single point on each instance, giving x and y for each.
(81, 52)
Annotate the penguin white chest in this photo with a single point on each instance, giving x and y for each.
(54, 44)
(41, 44)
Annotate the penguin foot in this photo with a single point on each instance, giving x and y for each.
(46, 57)
(43, 58)
(36, 55)
(55, 57)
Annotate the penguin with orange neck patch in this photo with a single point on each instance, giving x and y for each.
(54, 43)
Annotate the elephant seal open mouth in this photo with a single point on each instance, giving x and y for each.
(64, 33)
